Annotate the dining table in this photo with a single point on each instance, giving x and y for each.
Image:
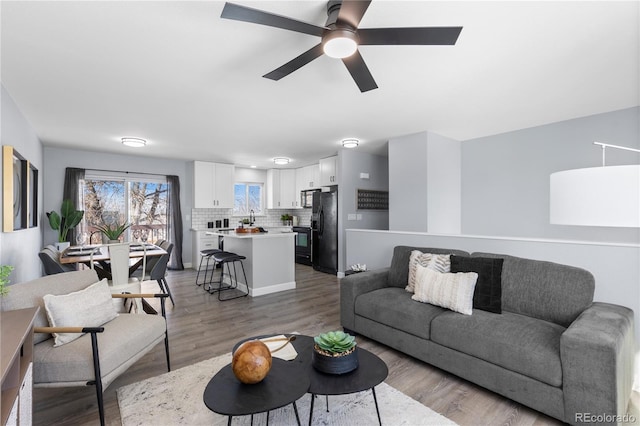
(99, 255)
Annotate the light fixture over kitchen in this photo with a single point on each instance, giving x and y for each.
(281, 161)
(134, 142)
(350, 143)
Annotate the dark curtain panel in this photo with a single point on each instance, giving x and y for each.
(175, 223)
(71, 190)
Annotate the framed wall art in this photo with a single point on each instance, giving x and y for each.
(19, 191)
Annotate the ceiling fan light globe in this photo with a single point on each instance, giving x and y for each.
(340, 47)
(340, 43)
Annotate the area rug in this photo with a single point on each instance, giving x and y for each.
(175, 398)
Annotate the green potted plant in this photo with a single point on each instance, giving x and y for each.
(5, 271)
(335, 352)
(113, 231)
(286, 219)
(68, 219)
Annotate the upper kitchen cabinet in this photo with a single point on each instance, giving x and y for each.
(307, 178)
(329, 171)
(281, 189)
(213, 185)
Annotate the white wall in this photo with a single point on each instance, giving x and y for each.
(444, 185)
(20, 248)
(424, 183)
(505, 177)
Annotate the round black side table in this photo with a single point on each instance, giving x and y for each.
(371, 372)
(285, 383)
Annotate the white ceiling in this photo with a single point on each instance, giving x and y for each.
(86, 73)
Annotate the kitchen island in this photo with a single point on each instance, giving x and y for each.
(270, 259)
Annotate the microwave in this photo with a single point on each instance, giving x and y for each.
(306, 197)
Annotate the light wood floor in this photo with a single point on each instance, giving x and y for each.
(201, 327)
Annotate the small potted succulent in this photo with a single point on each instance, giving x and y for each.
(335, 352)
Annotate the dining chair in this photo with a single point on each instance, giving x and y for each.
(120, 281)
(151, 261)
(159, 272)
(50, 258)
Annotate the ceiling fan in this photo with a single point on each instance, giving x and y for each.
(341, 36)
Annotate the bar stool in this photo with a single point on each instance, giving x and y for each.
(206, 254)
(227, 258)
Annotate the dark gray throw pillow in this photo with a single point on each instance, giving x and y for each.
(488, 293)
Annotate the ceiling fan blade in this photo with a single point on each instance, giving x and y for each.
(295, 64)
(255, 16)
(360, 73)
(351, 11)
(409, 36)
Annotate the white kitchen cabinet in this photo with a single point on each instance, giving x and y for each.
(213, 185)
(202, 241)
(281, 189)
(329, 171)
(307, 178)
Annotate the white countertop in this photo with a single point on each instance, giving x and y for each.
(233, 234)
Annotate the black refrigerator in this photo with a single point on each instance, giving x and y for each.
(324, 232)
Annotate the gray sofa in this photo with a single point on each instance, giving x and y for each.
(552, 348)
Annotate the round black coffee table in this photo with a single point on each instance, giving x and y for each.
(285, 383)
(371, 372)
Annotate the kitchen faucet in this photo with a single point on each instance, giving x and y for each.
(252, 217)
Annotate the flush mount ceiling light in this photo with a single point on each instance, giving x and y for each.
(340, 43)
(350, 143)
(134, 142)
(281, 161)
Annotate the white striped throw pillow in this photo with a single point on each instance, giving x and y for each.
(437, 262)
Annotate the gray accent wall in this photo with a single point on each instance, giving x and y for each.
(58, 159)
(351, 163)
(20, 248)
(505, 177)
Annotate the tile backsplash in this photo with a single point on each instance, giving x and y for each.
(200, 217)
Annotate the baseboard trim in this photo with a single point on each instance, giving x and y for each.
(261, 291)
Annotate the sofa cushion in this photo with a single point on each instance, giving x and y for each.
(437, 262)
(544, 290)
(89, 307)
(399, 270)
(123, 338)
(518, 343)
(488, 292)
(393, 307)
(451, 291)
(30, 293)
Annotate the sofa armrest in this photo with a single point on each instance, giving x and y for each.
(353, 286)
(597, 353)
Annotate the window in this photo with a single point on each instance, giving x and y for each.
(140, 201)
(247, 197)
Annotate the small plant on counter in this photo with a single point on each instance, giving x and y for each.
(335, 343)
(5, 271)
(286, 219)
